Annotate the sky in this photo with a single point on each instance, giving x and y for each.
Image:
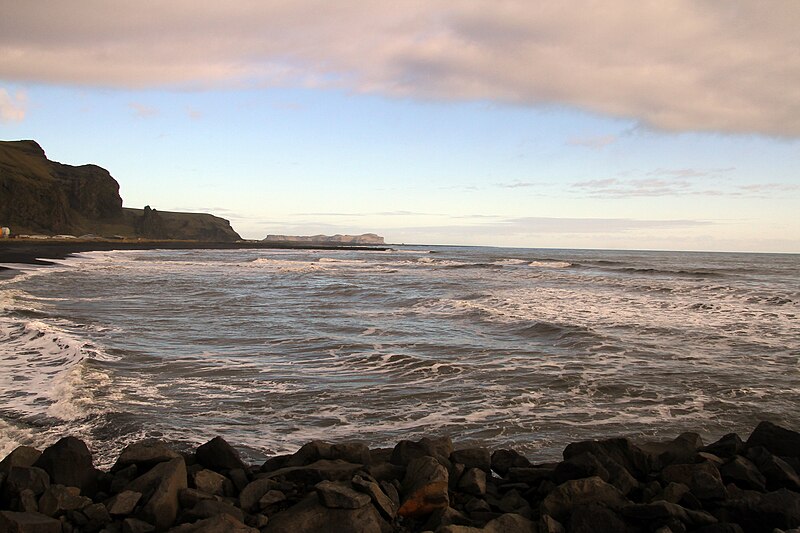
(581, 124)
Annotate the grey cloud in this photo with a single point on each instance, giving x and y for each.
(683, 65)
(593, 142)
(12, 106)
(142, 110)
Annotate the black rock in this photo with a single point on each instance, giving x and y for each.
(218, 455)
(743, 473)
(69, 462)
(439, 448)
(778, 440)
(726, 447)
(621, 451)
(473, 458)
(503, 460)
(778, 473)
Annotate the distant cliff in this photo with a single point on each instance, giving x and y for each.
(366, 238)
(44, 197)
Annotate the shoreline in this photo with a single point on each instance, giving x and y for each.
(39, 251)
(611, 485)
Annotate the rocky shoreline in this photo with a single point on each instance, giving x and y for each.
(610, 485)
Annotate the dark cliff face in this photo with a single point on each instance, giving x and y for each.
(41, 196)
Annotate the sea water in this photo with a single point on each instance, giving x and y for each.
(522, 348)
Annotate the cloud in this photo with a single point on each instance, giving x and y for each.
(142, 110)
(12, 107)
(683, 65)
(593, 142)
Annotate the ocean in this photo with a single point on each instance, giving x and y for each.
(519, 348)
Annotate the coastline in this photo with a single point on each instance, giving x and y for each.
(610, 485)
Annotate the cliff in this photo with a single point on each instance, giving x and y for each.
(45, 197)
(366, 238)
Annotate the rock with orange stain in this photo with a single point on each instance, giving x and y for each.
(424, 488)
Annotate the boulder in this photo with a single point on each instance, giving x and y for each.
(218, 455)
(726, 447)
(682, 449)
(660, 512)
(778, 440)
(145, 454)
(160, 488)
(28, 502)
(134, 525)
(252, 493)
(13, 522)
(506, 523)
(25, 477)
(58, 499)
(123, 503)
(580, 466)
(310, 452)
(743, 473)
(20, 456)
(223, 523)
(473, 458)
(352, 452)
(503, 460)
(69, 462)
(309, 516)
(594, 518)
(382, 502)
(703, 479)
(548, 524)
(210, 508)
(778, 473)
(339, 496)
(621, 451)
(424, 488)
(531, 475)
(763, 512)
(97, 516)
(473, 482)
(439, 448)
(211, 482)
(324, 469)
(270, 498)
(571, 494)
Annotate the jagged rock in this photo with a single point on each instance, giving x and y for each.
(763, 512)
(337, 496)
(776, 439)
(382, 502)
(439, 448)
(473, 482)
(580, 466)
(503, 460)
(123, 503)
(277, 462)
(679, 450)
(218, 455)
(69, 462)
(253, 492)
(134, 525)
(122, 477)
(352, 452)
(25, 477)
(726, 447)
(619, 450)
(743, 473)
(703, 479)
(223, 523)
(659, 511)
(20, 456)
(97, 516)
(473, 458)
(561, 501)
(309, 516)
(324, 469)
(160, 488)
(212, 483)
(13, 522)
(144, 454)
(424, 488)
(210, 508)
(778, 473)
(58, 499)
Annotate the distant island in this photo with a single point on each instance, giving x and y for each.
(365, 238)
(43, 198)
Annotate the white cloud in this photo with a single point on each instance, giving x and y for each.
(142, 110)
(12, 107)
(696, 65)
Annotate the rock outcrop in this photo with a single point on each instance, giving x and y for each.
(39, 196)
(364, 239)
(603, 486)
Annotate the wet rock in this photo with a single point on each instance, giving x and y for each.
(211, 482)
(382, 502)
(134, 525)
(14, 522)
(25, 477)
(58, 499)
(473, 482)
(580, 466)
(703, 479)
(778, 473)
(726, 447)
(20, 456)
(123, 503)
(69, 462)
(473, 458)
(276, 462)
(776, 439)
(338, 496)
(503, 460)
(621, 451)
(679, 450)
(145, 455)
(160, 488)
(352, 452)
(309, 516)
(743, 473)
(571, 494)
(424, 488)
(218, 455)
(439, 448)
(223, 523)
